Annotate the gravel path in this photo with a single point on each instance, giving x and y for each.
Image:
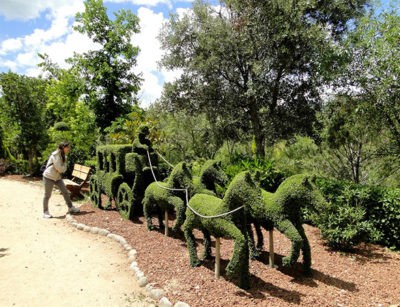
(46, 262)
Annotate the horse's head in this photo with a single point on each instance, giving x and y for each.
(244, 191)
(181, 177)
(303, 188)
(212, 173)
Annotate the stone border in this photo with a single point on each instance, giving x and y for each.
(154, 293)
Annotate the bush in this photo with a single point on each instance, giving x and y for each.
(343, 226)
(380, 207)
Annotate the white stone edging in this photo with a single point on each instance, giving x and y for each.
(154, 293)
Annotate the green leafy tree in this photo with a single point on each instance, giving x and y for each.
(254, 63)
(24, 103)
(69, 118)
(375, 69)
(183, 136)
(350, 138)
(111, 85)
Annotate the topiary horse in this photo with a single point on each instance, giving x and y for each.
(159, 197)
(283, 211)
(211, 174)
(241, 191)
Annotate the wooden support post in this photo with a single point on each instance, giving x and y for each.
(217, 257)
(166, 223)
(271, 248)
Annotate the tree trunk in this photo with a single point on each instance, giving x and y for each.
(257, 131)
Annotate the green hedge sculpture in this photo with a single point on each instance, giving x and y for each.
(159, 197)
(211, 174)
(282, 210)
(241, 191)
(123, 173)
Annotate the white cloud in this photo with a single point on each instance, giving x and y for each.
(26, 10)
(10, 45)
(150, 3)
(149, 56)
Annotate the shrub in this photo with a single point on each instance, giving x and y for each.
(343, 226)
(380, 207)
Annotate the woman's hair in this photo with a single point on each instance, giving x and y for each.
(61, 147)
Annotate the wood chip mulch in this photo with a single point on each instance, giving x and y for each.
(370, 276)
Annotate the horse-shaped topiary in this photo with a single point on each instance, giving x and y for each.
(211, 174)
(283, 211)
(156, 200)
(242, 191)
(161, 196)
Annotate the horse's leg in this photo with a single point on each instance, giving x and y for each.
(239, 263)
(180, 208)
(207, 244)
(306, 251)
(147, 212)
(190, 240)
(290, 231)
(254, 252)
(260, 237)
(160, 216)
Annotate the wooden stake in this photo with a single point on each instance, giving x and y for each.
(271, 248)
(217, 257)
(166, 222)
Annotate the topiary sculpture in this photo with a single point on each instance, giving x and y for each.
(139, 166)
(158, 196)
(241, 191)
(283, 211)
(211, 174)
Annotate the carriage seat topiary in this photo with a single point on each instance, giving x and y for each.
(139, 166)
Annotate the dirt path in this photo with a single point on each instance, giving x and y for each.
(46, 262)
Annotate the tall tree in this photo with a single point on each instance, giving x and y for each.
(108, 71)
(24, 102)
(254, 62)
(375, 69)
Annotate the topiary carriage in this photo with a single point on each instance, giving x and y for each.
(123, 173)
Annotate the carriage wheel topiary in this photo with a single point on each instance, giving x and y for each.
(95, 191)
(124, 200)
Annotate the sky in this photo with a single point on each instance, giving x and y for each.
(29, 27)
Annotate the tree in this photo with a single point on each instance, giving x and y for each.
(110, 81)
(350, 137)
(375, 69)
(256, 63)
(68, 118)
(24, 102)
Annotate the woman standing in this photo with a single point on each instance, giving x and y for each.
(52, 175)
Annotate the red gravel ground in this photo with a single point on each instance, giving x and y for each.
(368, 277)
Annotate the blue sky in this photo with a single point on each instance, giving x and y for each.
(28, 27)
